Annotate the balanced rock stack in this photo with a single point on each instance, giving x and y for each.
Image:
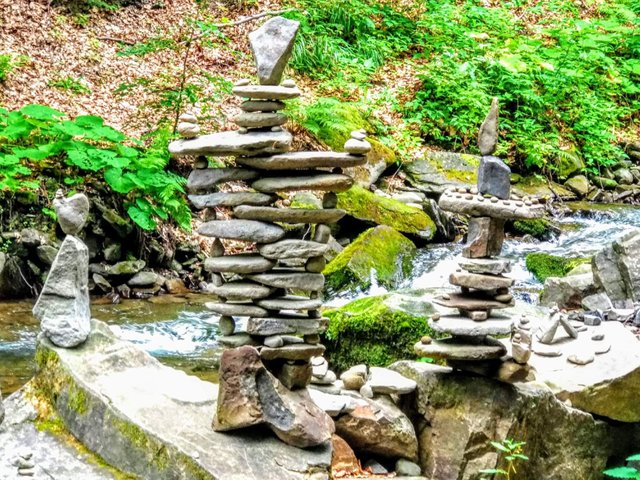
(256, 287)
(483, 286)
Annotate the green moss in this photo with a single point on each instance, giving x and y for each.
(364, 205)
(371, 331)
(536, 227)
(134, 434)
(380, 248)
(77, 400)
(543, 265)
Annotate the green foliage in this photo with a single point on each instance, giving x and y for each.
(71, 84)
(512, 452)
(565, 82)
(9, 63)
(371, 332)
(543, 265)
(38, 138)
(625, 472)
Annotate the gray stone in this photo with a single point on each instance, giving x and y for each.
(488, 133)
(592, 320)
(292, 249)
(580, 358)
(441, 170)
(101, 282)
(128, 267)
(479, 281)
(230, 199)
(492, 266)
(266, 92)
(262, 106)
(322, 234)
(290, 279)
(63, 304)
(240, 309)
(333, 405)
(328, 378)
(295, 375)
(379, 428)
(471, 302)
(479, 206)
(274, 341)
(383, 380)
(260, 119)
(145, 279)
(246, 230)
(271, 45)
(484, 237)
(224, 144)
(494, 178)
(298, 160)
(375, 467)
(46, 254)
(567, 292)
(31, 238)
(72, 212)
(357, 147)
(238, 340)
(331, 182)
(300, 351)
(290, 302)
(240, 290)
(207, 178)
(607, 275)
(578, 184)
(407, 468)
(460, 350)
(239, 263)
(597, 301)
(112, 252)
(291, 324)
(315, 264)
(623, 176)
(288, 215)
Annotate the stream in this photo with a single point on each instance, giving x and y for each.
(181, 333)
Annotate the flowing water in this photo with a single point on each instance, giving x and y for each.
(182, 333)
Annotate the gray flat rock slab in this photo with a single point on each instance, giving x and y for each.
(479, 206)
(241, 290)
(224, 144)
(239, 309)
(245, 230)
(292, 249)
(493, 266)
(300, 351)
(230, 199)
(471, 302)
(479, 281)
(457, 325)
(239, 263)
(262, 106)
(266, 327)
(207, 178)
(326, 182)
(453, 349)
(126, 390)
(289, 215)
(266, 92)
(290, 279)
(290, 302)
(295, 160)
(260, 119)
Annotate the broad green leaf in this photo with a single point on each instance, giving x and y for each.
(41, 112)
(622, 472)
(142, 219)
(117, 181)
(89, 121)
(634, 458)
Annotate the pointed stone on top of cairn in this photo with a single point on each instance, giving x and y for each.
(494, 176)
(72, 212)
(488, 134)
(271, 45)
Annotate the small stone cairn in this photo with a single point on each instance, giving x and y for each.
(255, 287)
(483, 286)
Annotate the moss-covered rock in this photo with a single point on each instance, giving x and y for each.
(569, 164)
(364, 205)
(543, 265)
(376, 330)
(381, 249)
(439, 170)
(540, 187)
(539, 228)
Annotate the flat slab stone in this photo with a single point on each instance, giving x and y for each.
(478, 206)
(471, 302)
(290, 279)
(493, 266)
(246, 230)
(294, 160)
(383, 380)
(293, 249)
(224, 144)
(290, 302)
(237, 340)
(203, 179)
(327, 182)
(239, 309)
(262, 106)
(453, 349)
(266, 92)
(239, 263)
(456, 325)
(300, 351)
(230, 199)
(260, 119)
(124, 389)
(240, 290)
(266, 327)
(479, 281)
(289, 215)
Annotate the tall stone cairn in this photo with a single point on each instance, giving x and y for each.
(480, 277)
(255, 289)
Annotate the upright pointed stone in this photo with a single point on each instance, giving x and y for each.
(63, 305)
(488, 134)
(494, 178)
(272, 44)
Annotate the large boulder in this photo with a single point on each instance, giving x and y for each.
(544, 265)
(616, 269)
(381, 252)
(152, 421)
(441, 170)
(567, 292)
(459, 414)
(376, 330)
(13, 283)
(364, 205)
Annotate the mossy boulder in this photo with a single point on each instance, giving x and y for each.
(540, 187)
(364, 205)
(382, 249)
(440, 170)
(376, 330)
(544, 265)
(539, 228)
(569, 164)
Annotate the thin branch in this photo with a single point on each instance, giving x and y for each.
(119, 40)
(252, 18)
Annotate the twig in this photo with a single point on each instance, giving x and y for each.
(119, 40)
(252, 18)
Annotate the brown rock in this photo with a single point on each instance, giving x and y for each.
(300, 351)
(484, 238)
(295, 375)
(479, 281)
(176, 286)
(343, 461)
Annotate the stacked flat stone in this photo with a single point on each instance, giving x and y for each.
(276, 289)
(480, 277)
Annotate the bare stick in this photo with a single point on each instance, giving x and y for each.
(119, 40)
(252, 18)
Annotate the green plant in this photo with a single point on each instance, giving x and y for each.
(625, 472)
(512, 452)
(38, 138)
(71, 84)
(9, 63)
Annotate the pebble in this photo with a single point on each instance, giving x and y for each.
(276, 129)
(426, 340)
(289, 83)
(366, 391)
(27, 472)
(602, 348)
(25, 463)
(597, 337)
(242, 82)
(406, 468)
(580, 358)
(188, 118)
(358, 135)
(201, 163)
(226, 325)
(274, 341)
(243, 130)
(435, 317)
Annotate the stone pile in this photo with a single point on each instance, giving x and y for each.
(484, 288)
(276, 288)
